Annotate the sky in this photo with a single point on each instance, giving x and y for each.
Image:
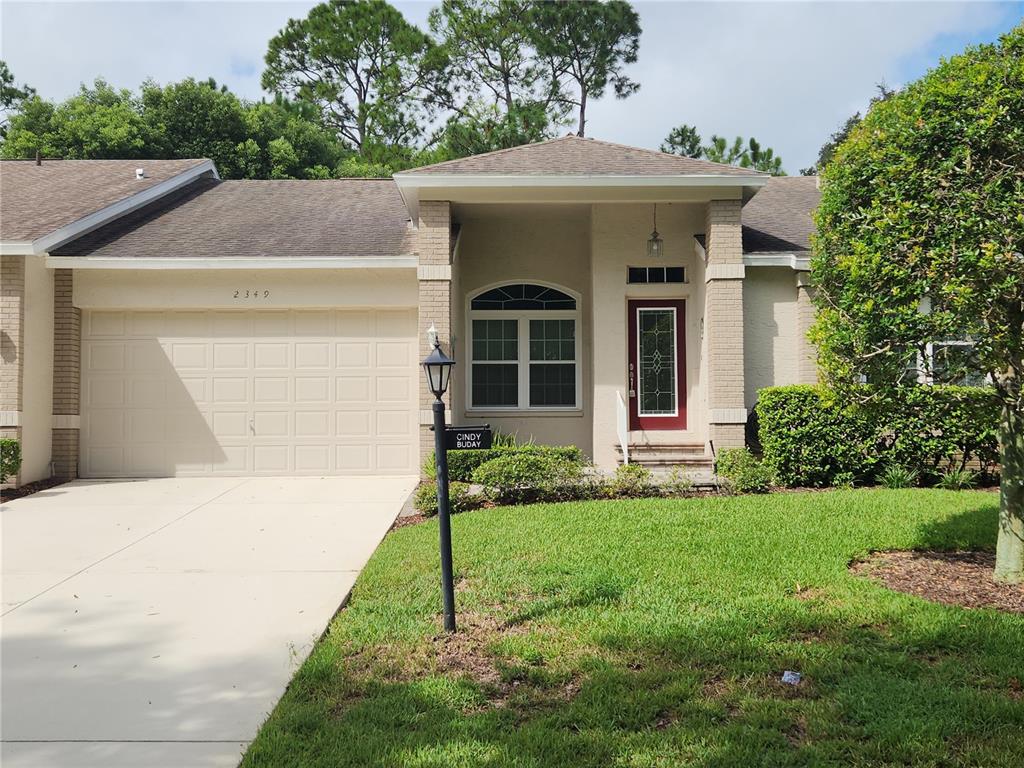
(787, 73)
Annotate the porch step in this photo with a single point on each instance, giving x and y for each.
(690, 457)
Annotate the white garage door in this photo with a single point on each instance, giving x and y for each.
(297, 392)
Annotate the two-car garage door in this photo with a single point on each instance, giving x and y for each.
(276, 392)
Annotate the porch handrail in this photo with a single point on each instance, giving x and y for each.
(622, 425)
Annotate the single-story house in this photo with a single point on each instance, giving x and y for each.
(157, 320)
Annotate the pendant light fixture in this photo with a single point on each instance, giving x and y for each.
(655, 245)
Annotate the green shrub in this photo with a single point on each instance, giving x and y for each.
(677, 483)
(896, 476)
(10, 458)
(809, 439)
(515, 476)
(631, 481)
(958, 480)
(743, 472)
(462, 464)
(459, 498)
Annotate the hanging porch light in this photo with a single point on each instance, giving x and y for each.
(655, 245)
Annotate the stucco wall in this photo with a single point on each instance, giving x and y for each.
(619, 239)
(771, 333)
(37, 397)
(216, 289)
(519, 243)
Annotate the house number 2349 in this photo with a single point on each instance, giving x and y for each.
(247, 294)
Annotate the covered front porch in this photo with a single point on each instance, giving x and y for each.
(569, 332)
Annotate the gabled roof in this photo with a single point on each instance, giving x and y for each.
(213, 219)
(778, 219)
(41, 203)
(575, 156)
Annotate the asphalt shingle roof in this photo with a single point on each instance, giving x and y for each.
(36, 200)
(253, 219)
(778, 218)
(575, 156)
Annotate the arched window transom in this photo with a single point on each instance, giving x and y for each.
(524, 348)
(524, 296)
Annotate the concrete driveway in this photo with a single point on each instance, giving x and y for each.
(157, 622)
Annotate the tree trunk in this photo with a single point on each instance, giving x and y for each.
(583, 112)
(1010, 546)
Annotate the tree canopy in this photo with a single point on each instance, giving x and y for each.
(921, 239)
(686, 140)
(587, 45)
(191, 118)
(375, 78)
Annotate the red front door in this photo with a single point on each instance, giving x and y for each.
(657, 364)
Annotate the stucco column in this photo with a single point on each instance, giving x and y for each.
(435, 282)
(12, 345)
(723, 323)
(806, 354)
(67, 356)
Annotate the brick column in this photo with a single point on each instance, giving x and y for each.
(12, 345)
(723, 324)
(807, 354)
(435, 282)
(67, 345)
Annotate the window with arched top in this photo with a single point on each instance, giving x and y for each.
(524, 348)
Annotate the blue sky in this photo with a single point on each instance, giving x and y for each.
(787, 73)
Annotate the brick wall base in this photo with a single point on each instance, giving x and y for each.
(65, 454)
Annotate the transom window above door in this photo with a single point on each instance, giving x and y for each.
(524, 348)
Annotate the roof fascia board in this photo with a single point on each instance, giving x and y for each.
(122, 207)
(420, 181)
(16, 248)
(344, 262)
(791, 260)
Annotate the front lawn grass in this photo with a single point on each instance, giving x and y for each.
(654, 633)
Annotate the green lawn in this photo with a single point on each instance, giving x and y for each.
(654, 633)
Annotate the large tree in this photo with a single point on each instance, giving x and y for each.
(587, 45)
(921, 239)
(828, 149)
(195, 119)
(97, 122)
(685, 140)
(374, 76)
(501, 93)
(12, 95)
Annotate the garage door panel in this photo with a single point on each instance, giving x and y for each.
(230, 390)
(106, 356)
(353, 354)
(352, 458)
(104, 392)
(312, 423)
(352, 390)
(231, 355)
(271, 355)
(253, 391)
(352, 424)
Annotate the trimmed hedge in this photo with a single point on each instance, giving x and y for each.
(462, 464)
(10, 458)
(518, 476)
(809, 439)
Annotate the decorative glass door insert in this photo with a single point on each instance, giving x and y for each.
(656, 367)
(656, 385)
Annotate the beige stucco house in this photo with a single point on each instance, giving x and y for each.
(165, 322)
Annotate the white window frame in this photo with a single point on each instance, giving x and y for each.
(523, 317)
(924, 372)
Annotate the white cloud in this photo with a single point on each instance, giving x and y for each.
(787, 73)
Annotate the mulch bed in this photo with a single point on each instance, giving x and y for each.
(10, 494)
(951, 578)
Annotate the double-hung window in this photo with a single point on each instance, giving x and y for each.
(524, 348)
